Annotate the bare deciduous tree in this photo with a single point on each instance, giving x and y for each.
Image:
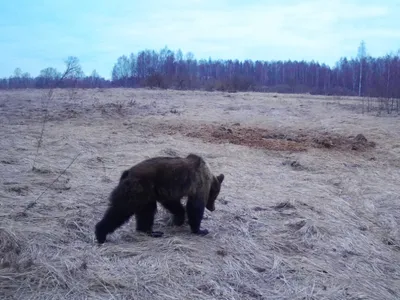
(72, 71)
(73, 68)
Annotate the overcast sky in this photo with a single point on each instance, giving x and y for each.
(42, 33)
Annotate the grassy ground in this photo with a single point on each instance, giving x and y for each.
(309, 209)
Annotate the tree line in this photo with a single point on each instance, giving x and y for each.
(362, 75)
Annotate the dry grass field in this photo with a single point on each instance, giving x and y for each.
(309, 209)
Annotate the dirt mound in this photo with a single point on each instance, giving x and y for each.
(361, 143)
(269, 139)
(246, 136)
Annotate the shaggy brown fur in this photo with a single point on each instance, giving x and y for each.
(165, 180)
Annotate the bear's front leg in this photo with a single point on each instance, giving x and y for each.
(195, 211)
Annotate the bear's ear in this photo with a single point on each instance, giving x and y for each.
(220, 178)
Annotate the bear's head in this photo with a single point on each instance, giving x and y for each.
(214, 191)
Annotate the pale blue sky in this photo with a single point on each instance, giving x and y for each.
(42, 33)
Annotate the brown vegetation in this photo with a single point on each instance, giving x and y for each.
(319, 220)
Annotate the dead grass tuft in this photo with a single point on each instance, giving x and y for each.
(9, 248)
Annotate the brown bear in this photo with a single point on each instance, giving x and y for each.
(165, 180)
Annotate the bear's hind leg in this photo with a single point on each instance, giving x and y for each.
(195, 211)
(145, 219)
(113, 218)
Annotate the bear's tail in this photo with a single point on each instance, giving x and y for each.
(124, 175)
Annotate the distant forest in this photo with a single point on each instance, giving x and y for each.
(363, 75)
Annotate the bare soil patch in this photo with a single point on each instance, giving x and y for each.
(269, 139)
